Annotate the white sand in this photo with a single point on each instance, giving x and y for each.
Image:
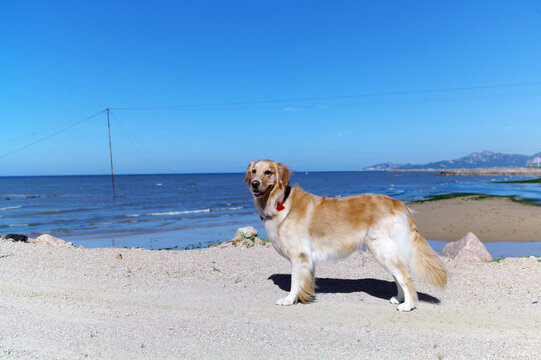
(219, 303)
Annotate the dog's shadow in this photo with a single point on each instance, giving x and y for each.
(378, 288)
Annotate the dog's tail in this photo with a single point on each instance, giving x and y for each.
(426, 262)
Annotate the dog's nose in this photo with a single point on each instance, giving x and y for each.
(255, 184)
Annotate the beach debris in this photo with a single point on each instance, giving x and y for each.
(467, 249)
(16, 237)
(118, 256)
(214, 268)
(51, 240)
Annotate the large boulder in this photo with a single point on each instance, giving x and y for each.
(467, 249)
(51, 240)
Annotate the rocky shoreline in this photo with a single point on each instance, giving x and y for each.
(479, 171)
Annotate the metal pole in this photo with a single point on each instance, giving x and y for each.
(111, 153)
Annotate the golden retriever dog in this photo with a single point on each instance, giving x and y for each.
(307, 229)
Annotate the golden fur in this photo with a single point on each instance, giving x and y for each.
(312, 229)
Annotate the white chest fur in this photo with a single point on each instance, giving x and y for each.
(271, 227)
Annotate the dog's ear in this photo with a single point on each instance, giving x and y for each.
(283, 174)
(249, 172)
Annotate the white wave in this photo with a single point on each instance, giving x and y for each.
(159, 184)
(11, 207)
(17, 225)
(132, 215)
(180, 212)
(228, 208)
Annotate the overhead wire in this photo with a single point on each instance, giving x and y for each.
(132, 139)
(260, 145)
(341, 97)
(75, 123)
(228, 106)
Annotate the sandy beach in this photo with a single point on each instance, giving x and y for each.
(218, 303)
(74, 303)
(491, 219)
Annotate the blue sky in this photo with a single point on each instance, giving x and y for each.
(206, 86)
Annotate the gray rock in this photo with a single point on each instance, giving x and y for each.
(467, 249)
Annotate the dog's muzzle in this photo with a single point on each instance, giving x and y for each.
(255, 188)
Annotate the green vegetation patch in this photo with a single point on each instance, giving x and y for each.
(498, 259)
(524, 201)
(532, 181)
(476, 196)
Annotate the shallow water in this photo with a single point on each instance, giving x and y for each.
(503, 248)
(192, 210)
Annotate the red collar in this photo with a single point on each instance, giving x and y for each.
(280, 205)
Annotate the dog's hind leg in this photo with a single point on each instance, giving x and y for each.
(405, 288)
(302, 281)
(390, 260)
(399, 298)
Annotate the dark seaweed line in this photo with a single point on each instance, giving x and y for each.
(477, 196)
(533, 181)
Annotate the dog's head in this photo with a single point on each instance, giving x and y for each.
(265, 175)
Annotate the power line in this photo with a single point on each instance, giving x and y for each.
(226, 106)
(51, 135)
(258, 145)
(434, 100)
(132, 139)
(342, 97)
(39, 132)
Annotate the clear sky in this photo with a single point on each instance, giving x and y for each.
(207, 86)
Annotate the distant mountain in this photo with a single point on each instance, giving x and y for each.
(485, 159)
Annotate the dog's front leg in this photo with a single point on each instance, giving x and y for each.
(302, 281)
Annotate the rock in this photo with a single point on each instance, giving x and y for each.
(245, 237)
(467, 249)
(17, 237)
(245, 232)
(51, 240)
(119, 256)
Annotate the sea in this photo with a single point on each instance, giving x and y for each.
(187, 211)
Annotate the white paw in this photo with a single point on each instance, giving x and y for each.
(405, 307)
(288, 300)
(394, 301)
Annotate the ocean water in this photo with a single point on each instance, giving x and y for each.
(193, 210)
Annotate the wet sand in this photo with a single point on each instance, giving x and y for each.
(490, 219)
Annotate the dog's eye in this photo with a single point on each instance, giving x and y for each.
(268, 172)
(253, 171)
